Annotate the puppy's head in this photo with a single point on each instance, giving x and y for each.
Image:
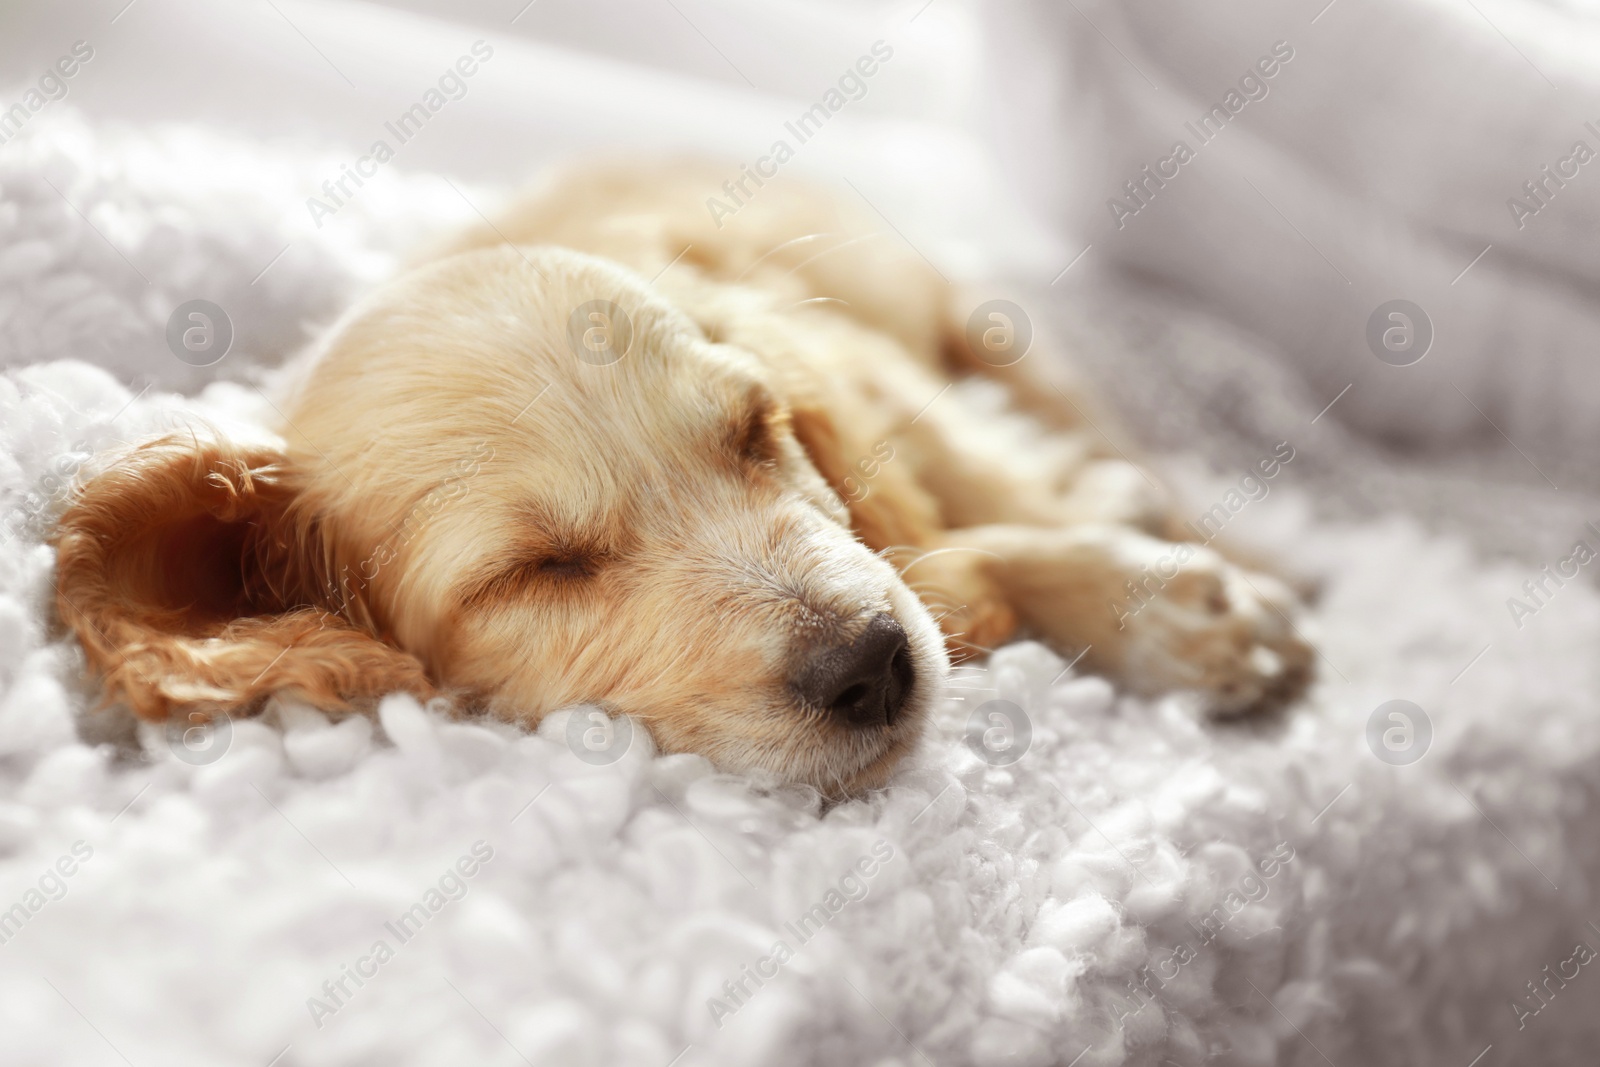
(519, 475)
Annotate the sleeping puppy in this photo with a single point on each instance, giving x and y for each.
(713, 476)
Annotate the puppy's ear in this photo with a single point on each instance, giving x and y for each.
(196, 584)
(887, 507)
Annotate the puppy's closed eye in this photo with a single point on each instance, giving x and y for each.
(548, 572)
(567, 565)
(551, 555)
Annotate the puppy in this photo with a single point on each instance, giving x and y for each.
(709, 473)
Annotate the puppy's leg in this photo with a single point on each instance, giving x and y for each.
(1065, 477)
(1154, 615)
(968, 603)
(891, 515)
(988, 466)
(894, 514)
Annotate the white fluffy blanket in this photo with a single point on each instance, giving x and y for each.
(1137, 888)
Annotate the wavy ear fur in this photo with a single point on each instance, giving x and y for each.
(196, 585)
(887, 508)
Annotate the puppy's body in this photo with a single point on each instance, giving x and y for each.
(1038, 521)
(607, 451)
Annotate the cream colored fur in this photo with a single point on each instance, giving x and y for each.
(766, 458)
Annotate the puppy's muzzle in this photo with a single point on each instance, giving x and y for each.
(864, 681)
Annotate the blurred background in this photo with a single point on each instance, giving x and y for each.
(1207, 206)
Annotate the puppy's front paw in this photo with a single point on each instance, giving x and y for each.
(1216, 628)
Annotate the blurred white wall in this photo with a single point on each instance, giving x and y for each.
(643, 76)
(1377, 164)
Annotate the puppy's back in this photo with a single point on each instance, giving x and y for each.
(785, 236)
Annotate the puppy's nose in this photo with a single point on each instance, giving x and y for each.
(865, 681)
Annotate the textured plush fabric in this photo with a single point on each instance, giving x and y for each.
(1138, 887)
